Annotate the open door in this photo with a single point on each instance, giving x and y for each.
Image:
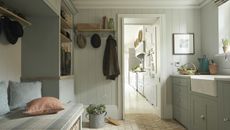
(151, 64)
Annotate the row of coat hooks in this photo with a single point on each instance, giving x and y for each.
(95, 39)
(101, 34)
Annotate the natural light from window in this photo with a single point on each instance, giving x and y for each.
(224, 27)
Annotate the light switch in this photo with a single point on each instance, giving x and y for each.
(177, 64)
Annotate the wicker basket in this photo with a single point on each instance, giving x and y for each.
(188, 69)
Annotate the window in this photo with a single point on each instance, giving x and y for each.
(224, 24)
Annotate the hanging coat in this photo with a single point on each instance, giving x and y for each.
(110, 61)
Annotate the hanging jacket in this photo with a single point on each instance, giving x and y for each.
(110, 61)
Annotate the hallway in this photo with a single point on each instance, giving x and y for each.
(136, 103)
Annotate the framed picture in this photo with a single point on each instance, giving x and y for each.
(183, 44)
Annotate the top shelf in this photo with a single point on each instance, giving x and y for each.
(96, 30)
(14, 16)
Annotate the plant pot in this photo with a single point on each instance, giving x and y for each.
(97, 121)
(225, 49)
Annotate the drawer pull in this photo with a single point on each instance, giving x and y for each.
(226, 119)
(202, 117)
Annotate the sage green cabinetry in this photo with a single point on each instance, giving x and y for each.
(181, 100)
(224, 105)
(55, 5)
(42, 50)
(203, 112)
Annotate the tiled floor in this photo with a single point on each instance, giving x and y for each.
(140, 115)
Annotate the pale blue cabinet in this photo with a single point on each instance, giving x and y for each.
(224, 105)
(181, 100)
(204, 112)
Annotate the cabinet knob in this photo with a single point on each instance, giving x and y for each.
(226, 119)
(202, 117)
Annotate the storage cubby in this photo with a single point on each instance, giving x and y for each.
(66, 40)
(47, 52)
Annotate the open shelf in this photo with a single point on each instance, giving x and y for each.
(96, 30)
(65, 25)
(64, 38)
(12, 15)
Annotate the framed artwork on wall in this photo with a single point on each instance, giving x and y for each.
(183, 44)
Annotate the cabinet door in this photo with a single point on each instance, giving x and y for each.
(180, 97)
(211, 111)
(181, 101)
(198, 113)
(224, 106)
(181, 115)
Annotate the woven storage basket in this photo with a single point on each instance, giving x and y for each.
(188, 69)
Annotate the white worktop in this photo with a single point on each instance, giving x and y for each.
(216, 77)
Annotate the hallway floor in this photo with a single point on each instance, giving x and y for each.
(140, 115)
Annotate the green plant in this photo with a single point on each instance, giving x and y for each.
(226, 42)
(96, 109)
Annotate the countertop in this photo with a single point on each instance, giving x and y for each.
(216, 77)
(183, 76)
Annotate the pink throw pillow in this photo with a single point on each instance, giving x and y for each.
(44, 105)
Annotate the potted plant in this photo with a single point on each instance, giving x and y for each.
(226, 45)
(96, 114)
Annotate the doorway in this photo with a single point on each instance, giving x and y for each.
(141, 65)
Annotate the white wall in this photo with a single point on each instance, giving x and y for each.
(131, 34)
(209, 30)
(10, 60)
(224, 23)
(91, 86)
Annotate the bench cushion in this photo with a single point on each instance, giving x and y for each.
(23, 92)
(4, 108)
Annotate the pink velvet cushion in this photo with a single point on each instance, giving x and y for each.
(44, 105)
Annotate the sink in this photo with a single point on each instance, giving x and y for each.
(205, 84)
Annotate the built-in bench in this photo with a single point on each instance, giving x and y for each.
(68, 119)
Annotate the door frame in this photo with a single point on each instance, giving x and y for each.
(163, 63)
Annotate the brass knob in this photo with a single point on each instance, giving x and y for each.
(226, 119)
(202, 117)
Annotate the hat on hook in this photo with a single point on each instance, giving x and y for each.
(12, 29)
(81, 41)
(96, 41)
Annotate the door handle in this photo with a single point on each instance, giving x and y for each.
(202, 117)
(226, 119)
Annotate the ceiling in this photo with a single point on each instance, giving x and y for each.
(140, 4)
